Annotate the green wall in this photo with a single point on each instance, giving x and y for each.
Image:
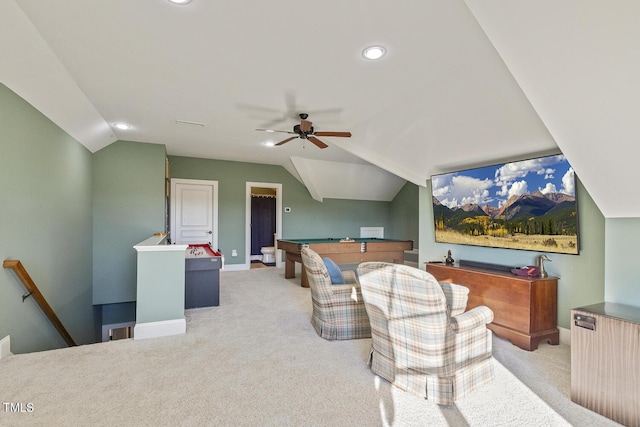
(332, 217)
(308, 218)
(128, 207)
(404, 214)
(45, 222)
(621, 249)
(160, 285)
(582, 278)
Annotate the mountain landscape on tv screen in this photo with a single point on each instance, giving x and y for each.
(528, 204)
(536, 221)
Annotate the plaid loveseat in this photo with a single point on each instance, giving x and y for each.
(338, 310)
(423, 341)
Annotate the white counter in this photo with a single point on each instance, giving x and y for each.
(158, 242)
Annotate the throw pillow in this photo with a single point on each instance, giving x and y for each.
(334, 272)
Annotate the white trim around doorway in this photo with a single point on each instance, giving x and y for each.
(278, 188)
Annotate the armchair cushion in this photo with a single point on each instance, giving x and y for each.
(456, 296)
(334, 271)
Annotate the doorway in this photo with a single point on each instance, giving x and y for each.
(264, 222)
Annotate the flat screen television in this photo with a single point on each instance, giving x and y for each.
(529, 205)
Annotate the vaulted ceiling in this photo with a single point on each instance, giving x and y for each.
(463, 84)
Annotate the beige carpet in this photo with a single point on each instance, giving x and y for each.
(256, 361)
(259, 265)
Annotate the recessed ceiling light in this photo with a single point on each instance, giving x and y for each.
(122, 126)
(180, 1)
(374, 52)
(269, 143)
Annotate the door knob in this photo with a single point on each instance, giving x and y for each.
(209, 232)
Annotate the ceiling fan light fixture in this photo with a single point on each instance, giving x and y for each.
(269, 144)
(374, 52)
(305, 131)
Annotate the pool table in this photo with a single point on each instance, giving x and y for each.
(352, 251)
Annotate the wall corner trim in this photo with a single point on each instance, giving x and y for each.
(5, 347)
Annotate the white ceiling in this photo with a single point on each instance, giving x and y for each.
(464, 83)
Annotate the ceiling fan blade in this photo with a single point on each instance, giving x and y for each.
(342, 134)
(305, 125)
(257, 108)
(278, 131)
(274, 122)
(286, 140)
(335, 111)
(317, 142)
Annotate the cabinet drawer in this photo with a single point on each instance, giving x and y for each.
(209, 263)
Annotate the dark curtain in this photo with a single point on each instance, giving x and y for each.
(263, 223)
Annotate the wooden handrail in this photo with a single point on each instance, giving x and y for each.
(33, 290)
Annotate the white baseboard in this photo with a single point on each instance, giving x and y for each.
(5, 347)
(159, 329)
(236, 267)
(565, 336)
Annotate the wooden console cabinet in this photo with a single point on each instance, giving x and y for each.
(525, 309)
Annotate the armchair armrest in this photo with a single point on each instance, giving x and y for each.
(471, 319)
(457, 296)
(343, 289)
(351, 288)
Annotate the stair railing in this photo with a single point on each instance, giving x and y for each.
(33, 290)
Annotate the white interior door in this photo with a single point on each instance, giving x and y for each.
(194, 212)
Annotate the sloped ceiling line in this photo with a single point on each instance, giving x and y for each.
(302, 167)
(337, 180)
(32, 70)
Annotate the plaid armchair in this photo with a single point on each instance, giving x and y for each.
(423, 341)
(338, 310)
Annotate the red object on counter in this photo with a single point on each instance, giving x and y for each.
(208, 251)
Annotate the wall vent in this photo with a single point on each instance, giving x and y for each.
(117, 331)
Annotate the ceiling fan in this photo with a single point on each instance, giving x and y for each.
(305, 131)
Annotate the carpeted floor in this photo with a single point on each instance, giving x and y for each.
(258, 264)
(256, 361)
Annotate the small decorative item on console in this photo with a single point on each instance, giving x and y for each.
(448, 260)
(529, 270)
(541, 259)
